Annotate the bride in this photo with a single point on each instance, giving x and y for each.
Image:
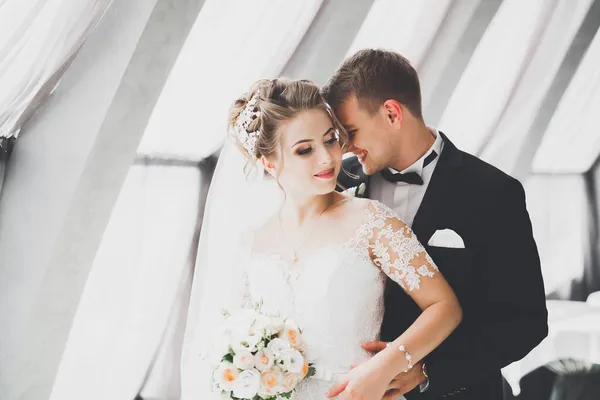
(321, 258)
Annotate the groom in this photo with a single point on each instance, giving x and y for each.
(470, 216)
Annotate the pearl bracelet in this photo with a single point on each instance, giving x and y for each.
(406, 354)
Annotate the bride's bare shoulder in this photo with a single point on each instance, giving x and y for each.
(354, 208)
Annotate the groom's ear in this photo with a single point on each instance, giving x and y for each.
(393, 112)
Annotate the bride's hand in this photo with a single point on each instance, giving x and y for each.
(366, 381)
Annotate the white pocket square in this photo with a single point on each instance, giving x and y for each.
(446, 238)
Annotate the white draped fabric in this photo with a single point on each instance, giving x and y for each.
(562, 210)
(572, 143)
(131, 289)
(220, 237)
(38, 40)
(128, 332)
(405, 26)
(509, 139)
(224, 54)
(143, 259)
(562, 218)
(434, 69)
(494, 71)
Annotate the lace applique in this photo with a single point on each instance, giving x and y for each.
(393, 247)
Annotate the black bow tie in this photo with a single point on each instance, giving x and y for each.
(410, 177)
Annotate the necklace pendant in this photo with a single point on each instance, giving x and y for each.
(295, 258)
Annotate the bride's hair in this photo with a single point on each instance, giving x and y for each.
(267, 105)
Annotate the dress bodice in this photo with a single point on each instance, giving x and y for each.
(335, 294)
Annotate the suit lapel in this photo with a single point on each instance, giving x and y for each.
(443, 179)
(368, 189)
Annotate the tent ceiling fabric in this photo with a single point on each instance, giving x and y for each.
(571, 143)
(440, 71)
(325, 43)
(405, 26)
(494, 71)
(38, 39)
(190, 118)
(146, 245)
(561, 217)
(487, 68)
(509, 138)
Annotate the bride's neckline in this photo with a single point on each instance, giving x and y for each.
(313, 253)
(280, 258)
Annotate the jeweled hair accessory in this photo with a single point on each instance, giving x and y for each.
(247, 115)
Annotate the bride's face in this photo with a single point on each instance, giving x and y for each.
(310, 156)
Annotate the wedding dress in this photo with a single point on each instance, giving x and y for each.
(335, 293)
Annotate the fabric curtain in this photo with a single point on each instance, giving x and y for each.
(128, 333)
(38, 41)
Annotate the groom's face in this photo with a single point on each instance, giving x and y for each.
(368, 133)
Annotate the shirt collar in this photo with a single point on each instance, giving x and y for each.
(417, 166)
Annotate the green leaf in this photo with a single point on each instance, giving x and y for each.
(311, 371)
(228, 357)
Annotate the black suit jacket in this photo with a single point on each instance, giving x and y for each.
(496, 277)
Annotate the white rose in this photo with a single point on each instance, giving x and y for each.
(225, 376)
(264, 360)
(277, 346)
(267, 326)
(291, 323)
(244, 360)
(219, 344)
(356, 191)
(271, 383)
(350, 192)
(247, 384)
(291, 334)
(289, 382)
(275, 324)
(244, 339)
(292, 361)
(362, 189)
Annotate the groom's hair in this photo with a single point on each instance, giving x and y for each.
(374, 76)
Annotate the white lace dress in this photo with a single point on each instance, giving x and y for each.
(336, 293)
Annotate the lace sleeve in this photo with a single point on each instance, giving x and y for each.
(395, 249)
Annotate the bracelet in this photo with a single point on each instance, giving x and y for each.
(406, 354)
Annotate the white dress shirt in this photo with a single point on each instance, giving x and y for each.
(404, 198)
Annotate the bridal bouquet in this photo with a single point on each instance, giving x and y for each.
(258, 357)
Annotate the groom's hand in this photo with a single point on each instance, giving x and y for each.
(404, 382)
